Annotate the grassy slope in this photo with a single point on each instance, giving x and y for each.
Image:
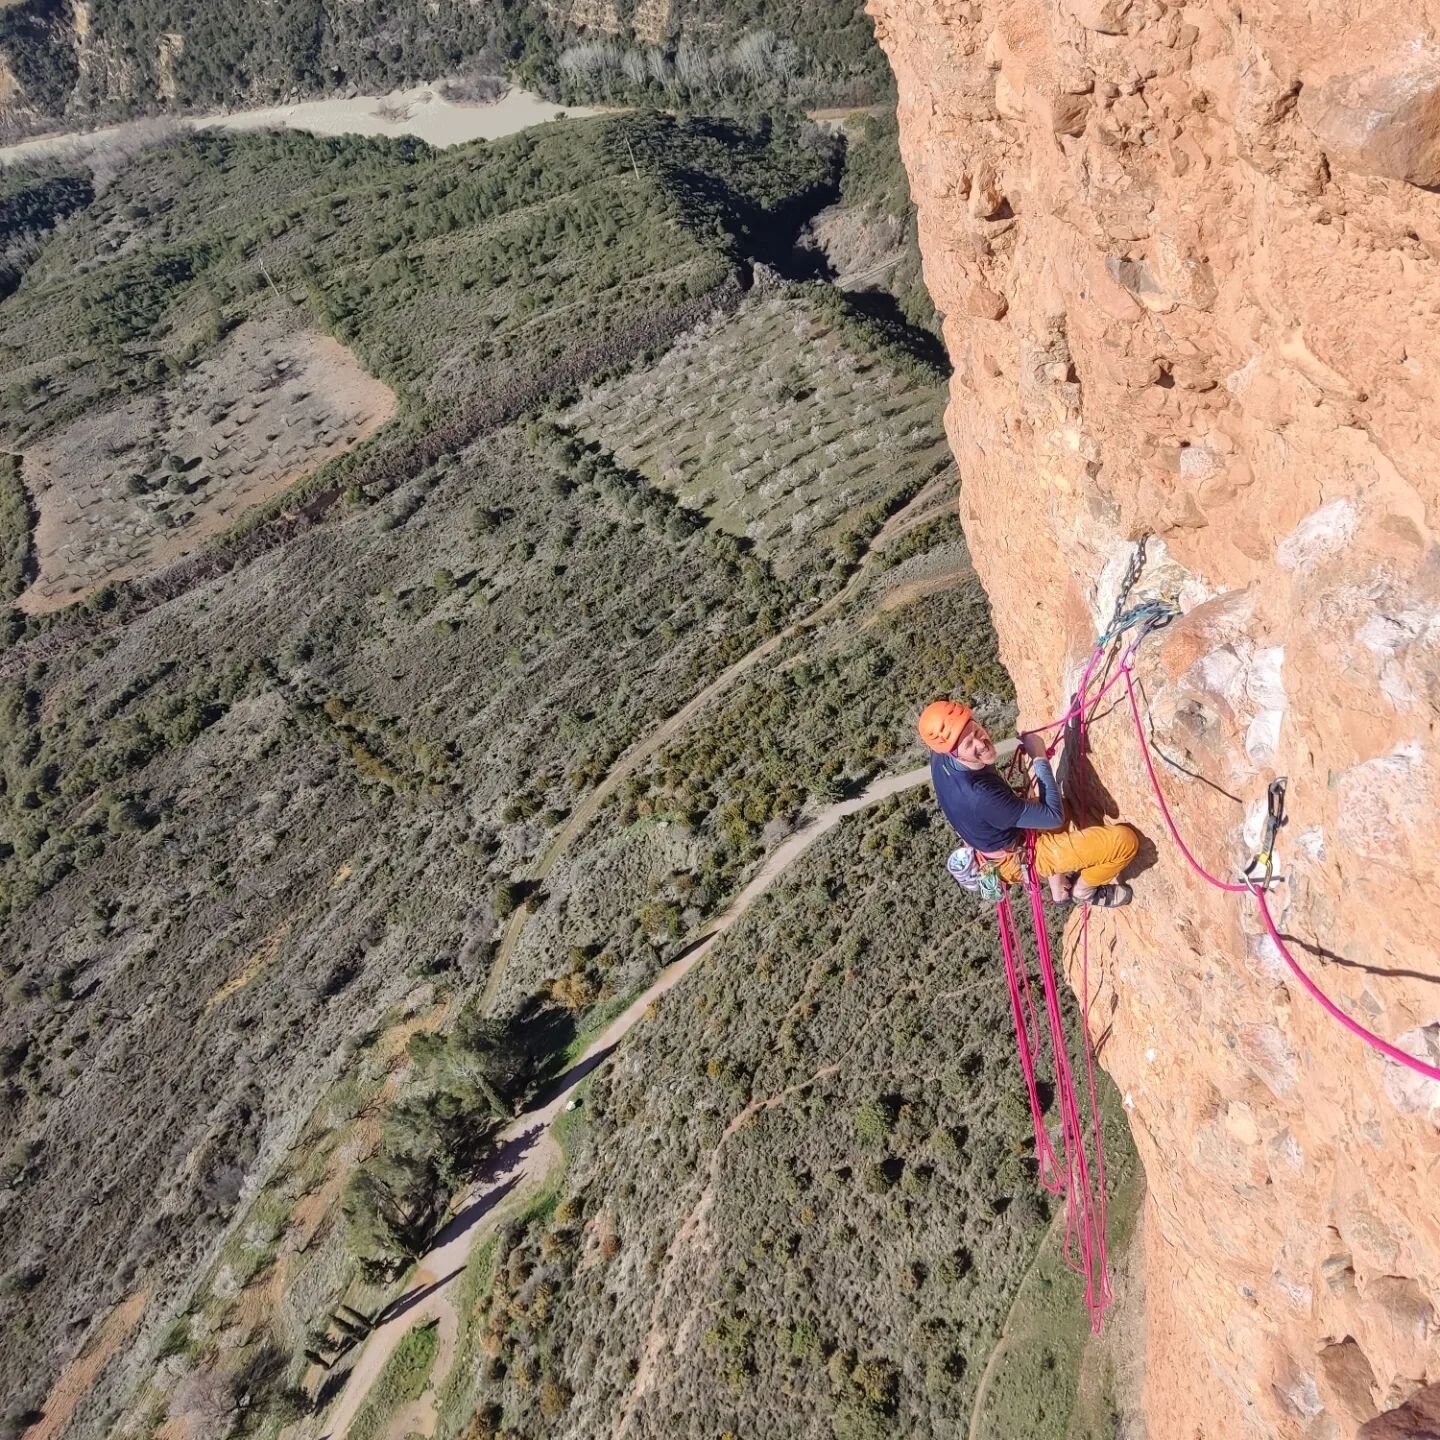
(403, 1379)
(1035, 1385)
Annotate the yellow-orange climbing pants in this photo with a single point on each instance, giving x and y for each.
(1098, 852)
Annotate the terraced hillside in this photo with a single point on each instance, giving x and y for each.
(774, 425)
(249, 810)
(459, 279)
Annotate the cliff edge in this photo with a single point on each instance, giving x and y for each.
(1189, 260)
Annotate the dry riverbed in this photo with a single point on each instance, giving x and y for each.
(422, 111)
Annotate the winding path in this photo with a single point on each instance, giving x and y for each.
(525, 1153)
(921, 505)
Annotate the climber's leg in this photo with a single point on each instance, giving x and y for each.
(1099, 853)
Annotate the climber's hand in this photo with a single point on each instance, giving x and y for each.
(1033, 745)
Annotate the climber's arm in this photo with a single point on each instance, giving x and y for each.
(1006, 810)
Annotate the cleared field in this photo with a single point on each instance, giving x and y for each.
(122, 492)
(770, 423)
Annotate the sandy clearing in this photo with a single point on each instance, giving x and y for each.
(91, 530)
(80, 1374)
(526, 1154)
(264, 953)
(421, 111)
(918, 590)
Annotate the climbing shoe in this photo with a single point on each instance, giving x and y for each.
(1108, 897)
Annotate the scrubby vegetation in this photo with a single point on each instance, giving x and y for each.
(803, 1195)
(753, 419)
(685, 52)
(33, 200)
(353, 778)
(462, 279)
(263, 814)
(827, 712)
(768, 52)
(443, 270)
(16, 523)
(249, 811)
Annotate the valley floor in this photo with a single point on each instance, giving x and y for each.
(421, 110)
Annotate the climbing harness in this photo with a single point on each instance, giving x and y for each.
(1073, 1173)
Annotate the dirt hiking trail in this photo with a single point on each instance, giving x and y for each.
(526, 1154)
(922, 507)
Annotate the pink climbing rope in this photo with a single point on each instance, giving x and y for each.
(1102, 1203)
(1085, 1249)
(1165, 815)
(1027, 1036)
(1083, 707)
(1393, 1052)
(1086, 1206)
(1073, 1176)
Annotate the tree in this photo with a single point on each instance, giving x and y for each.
(508, 895)
(390, 1207)
(574, 990)
(555, 1397)
(481, 1046)
(874, 1119)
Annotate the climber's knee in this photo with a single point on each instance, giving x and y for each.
(1106, 850)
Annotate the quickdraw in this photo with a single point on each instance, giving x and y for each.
(1261, 870)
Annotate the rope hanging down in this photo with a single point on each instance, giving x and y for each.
(1071, 1173)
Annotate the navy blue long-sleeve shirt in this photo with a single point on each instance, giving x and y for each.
(985, 812)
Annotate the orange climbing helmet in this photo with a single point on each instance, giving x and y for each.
(942, 722)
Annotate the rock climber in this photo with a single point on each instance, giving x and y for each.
(991, 818)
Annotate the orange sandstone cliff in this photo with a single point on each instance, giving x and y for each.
(1189, 260)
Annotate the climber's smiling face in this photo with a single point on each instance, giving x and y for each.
(974, 749)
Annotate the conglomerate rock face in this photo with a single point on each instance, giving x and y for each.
(1190, 269)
